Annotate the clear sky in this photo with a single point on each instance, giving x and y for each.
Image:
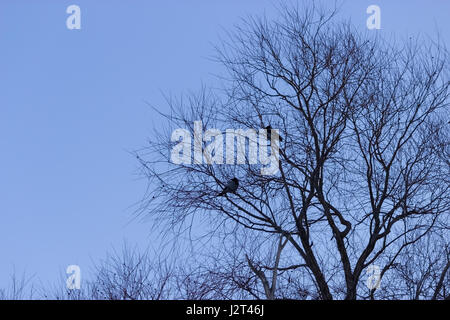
(72, 106)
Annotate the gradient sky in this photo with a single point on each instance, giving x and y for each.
(72, 106)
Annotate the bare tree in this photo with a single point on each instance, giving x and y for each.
(247, 268)
(363, 168)
(420, 272)
(19, 288)
(128, 274)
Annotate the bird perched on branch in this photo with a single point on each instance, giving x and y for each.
(231, 186)
(269, 133)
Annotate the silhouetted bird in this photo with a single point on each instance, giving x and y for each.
(231, 186)
(269, 133)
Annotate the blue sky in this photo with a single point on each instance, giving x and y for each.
(72, 106)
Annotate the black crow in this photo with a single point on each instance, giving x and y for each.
(269, 133)
(231, 186)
